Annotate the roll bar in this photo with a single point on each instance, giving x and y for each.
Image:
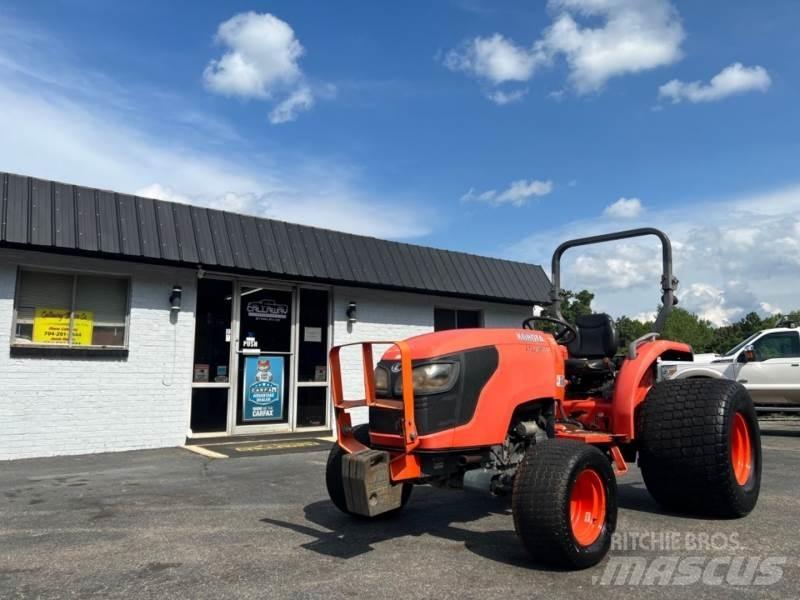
(669, 282)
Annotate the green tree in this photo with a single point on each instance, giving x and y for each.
(686, 327)
(574, 305)
(630, 329)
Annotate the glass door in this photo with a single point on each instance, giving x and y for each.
(264, 360)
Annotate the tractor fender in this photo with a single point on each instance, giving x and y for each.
(636, 377)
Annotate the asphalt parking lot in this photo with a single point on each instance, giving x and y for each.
(169, 523)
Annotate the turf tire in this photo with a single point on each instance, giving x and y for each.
(541, 503)
(685, 435)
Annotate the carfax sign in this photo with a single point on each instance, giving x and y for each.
(262, 395)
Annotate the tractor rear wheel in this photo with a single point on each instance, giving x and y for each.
(335, 484)
(565, 503)
(700, 447)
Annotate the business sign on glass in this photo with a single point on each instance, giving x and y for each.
(267, 310)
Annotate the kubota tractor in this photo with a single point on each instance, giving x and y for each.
(552, 420)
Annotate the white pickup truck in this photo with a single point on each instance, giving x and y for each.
(767, 364)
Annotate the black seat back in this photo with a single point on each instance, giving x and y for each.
(597, 337)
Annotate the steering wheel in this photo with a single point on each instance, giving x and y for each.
(565, 335)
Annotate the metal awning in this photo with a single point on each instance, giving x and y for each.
(58, 217)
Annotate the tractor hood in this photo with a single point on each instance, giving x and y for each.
(440, 343)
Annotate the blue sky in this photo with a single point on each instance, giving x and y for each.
(499, 128)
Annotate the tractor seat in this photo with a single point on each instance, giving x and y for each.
(596, 343)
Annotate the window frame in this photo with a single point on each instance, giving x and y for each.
(455, 310)
(69, 347)
(773, 335)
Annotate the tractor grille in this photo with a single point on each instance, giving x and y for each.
(437, 412)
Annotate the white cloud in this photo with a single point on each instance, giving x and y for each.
(99, 141)
(645, 316)
(733, 79)
(261, 61)
(599, 39)
(299, 100)
(709, 303)
(518, 193)
(725, 305)
(262, 54)
(633, 36)
(624, 208)
(502, 98)
(495, 59)
(621, 267)
(160, 192)
(733, 256)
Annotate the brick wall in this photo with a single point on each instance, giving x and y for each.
(63, 405)
(395, 316)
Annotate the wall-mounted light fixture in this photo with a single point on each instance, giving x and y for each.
(175, 298)
(351, 312)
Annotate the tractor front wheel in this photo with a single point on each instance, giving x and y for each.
(700, 448)
(335, 483)
(565, 503)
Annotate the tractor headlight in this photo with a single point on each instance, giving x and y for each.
(382, 381)
(433, 378)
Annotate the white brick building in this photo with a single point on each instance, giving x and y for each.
(129, 323)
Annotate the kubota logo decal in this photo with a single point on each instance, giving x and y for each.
(530, 337)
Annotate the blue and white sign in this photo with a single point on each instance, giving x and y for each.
(263, 389)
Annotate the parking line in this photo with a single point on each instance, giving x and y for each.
(204, 452)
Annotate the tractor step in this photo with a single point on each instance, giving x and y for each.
(368, 485)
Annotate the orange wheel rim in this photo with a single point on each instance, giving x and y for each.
(741, 449)
(587, 507)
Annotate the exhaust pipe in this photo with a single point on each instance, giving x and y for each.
(480, 480)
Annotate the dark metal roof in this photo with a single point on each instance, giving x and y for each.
(58, 217)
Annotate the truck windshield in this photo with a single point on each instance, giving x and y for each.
(741, 345)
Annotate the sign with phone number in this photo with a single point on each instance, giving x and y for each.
(51, 326)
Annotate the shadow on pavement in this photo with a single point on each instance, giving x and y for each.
(429, 512)
(634, 496)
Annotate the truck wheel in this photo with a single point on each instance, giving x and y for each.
(700, 447)
(565, 503)
(335, 485)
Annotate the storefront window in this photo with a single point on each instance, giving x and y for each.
(311, 404)
(70, 310)
(209, 410)
(312, 365)
(212, 341)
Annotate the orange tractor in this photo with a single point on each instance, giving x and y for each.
(551, 419)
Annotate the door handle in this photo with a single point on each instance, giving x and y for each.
(796, 364)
